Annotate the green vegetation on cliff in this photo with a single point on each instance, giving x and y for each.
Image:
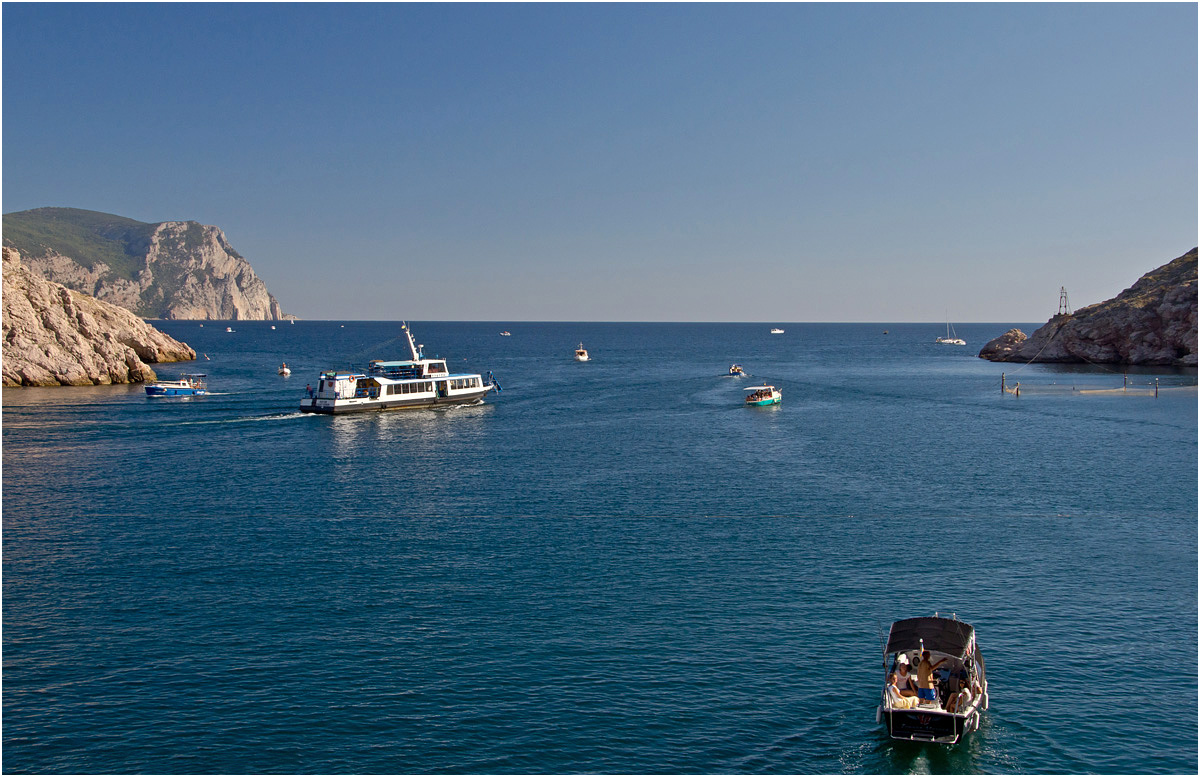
(86, 236)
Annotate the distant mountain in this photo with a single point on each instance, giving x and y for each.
(1153, 322)
(172, 270)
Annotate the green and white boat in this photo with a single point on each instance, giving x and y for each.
(763, 395)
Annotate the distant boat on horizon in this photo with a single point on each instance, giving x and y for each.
(951, 337)
(776, 331)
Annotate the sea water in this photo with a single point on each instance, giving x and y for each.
(612, 566)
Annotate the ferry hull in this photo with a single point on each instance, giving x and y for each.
(344, 406)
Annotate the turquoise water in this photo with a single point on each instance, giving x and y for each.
(609, 567)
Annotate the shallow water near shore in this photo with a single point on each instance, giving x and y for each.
(610, 567)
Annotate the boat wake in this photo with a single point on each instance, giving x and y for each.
(248, 419)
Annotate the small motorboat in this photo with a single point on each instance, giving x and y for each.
(228, 329)
(736, 370)
(763, 395)
(506, 333)
(581, 354)
(948, 710)
(285, 370)
(776, 331)
(188, 385)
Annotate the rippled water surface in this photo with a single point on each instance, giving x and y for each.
(609, 567)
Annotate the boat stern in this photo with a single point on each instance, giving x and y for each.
(923, 725)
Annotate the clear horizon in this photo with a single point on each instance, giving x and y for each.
(626, 163)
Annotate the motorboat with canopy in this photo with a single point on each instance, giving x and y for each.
(190, 384)
(956, 673)
(762, 395)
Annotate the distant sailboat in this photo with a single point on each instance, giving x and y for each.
(951, 337)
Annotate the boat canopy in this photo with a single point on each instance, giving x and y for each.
(758, 388)
(945, 635)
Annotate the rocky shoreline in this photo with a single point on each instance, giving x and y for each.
(1152, 323)
(54, 336)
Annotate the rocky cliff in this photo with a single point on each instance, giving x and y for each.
(55, 336)
(1153, 322)
(172, 270)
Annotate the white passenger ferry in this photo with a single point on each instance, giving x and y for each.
(384, 385)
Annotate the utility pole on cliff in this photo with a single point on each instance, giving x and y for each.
(1064, 307)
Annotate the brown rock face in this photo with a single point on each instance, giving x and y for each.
(54, 336)
(172, 270)
(1151, 323)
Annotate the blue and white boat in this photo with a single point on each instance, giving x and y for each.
(396, 385)
(188, 385)
(763, 395)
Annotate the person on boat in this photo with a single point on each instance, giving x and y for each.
(959, 701)
(896, 697)
(926, 687)
(904, 678)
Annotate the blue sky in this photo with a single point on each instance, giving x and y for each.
(667, 162)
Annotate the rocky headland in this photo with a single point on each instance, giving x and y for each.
(1151, 323)
(54, 336)
(170, 270)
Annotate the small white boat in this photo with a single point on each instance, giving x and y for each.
(763, 395)
(736, 370)
(285, 370)
(228, 329)
(776, 331)
(506, 333)
(951, 337)
(581, 354)
(272, 326)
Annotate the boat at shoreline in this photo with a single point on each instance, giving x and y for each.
(396, 385)
(190, 384)
(763, 395)
(960, 690)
